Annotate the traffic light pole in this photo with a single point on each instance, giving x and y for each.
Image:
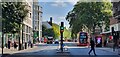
(113, 32)
(115, 35)
(61, 31)
(61, 42)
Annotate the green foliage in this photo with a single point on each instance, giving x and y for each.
(13, 14)
(89, 14)
(56, 29)
(47, 32)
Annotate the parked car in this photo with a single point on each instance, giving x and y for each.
(50, 40)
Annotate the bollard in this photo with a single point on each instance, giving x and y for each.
(31, 45)
(25, 45)
(20, 47)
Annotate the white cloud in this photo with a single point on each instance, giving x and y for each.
(61, 17)
(59, 3)
(72, 1)
(62, 3)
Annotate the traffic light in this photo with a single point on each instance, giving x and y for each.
(62, 27)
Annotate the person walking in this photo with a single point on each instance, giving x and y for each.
(29, 43)
(105, 42)
(92, 43)
(15, 45)
(9, 44)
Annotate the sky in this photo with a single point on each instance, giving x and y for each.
(57, 9)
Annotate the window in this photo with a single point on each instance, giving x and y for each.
(38, 15)
(119, 7)
(38, 7)
(30, 15)
(23, 28)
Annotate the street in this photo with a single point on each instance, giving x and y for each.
(49, 50)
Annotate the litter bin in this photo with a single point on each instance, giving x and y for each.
(25, 45)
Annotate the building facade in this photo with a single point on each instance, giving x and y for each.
(116, 16)
(27, 27)
(37, 20)
(27, 24)
(114, 23)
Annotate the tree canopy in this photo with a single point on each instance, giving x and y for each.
(88, 15)
(13, 14)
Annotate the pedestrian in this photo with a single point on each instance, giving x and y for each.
(9, 44)
(29, 43)
(105, 43)
(15, 45)
(92, 43)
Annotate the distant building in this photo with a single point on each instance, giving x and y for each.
(37, 20)
(47, 25)
(116, 16)
(114, 23)
(115, 20)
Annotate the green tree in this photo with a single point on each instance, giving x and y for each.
(89, 15)
(14, 14)
(47, 32)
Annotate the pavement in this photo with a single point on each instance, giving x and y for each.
(7, 51)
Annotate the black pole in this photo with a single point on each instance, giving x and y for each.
(61, 31)
(19, 44)
(113, 34)
(2, 41)
(62, 41)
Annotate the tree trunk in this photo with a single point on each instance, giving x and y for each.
(93, 30)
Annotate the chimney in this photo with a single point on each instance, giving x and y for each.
(51, 21)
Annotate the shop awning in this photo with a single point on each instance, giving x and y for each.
(106, 32)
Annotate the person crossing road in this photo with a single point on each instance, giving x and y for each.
(92, 43)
